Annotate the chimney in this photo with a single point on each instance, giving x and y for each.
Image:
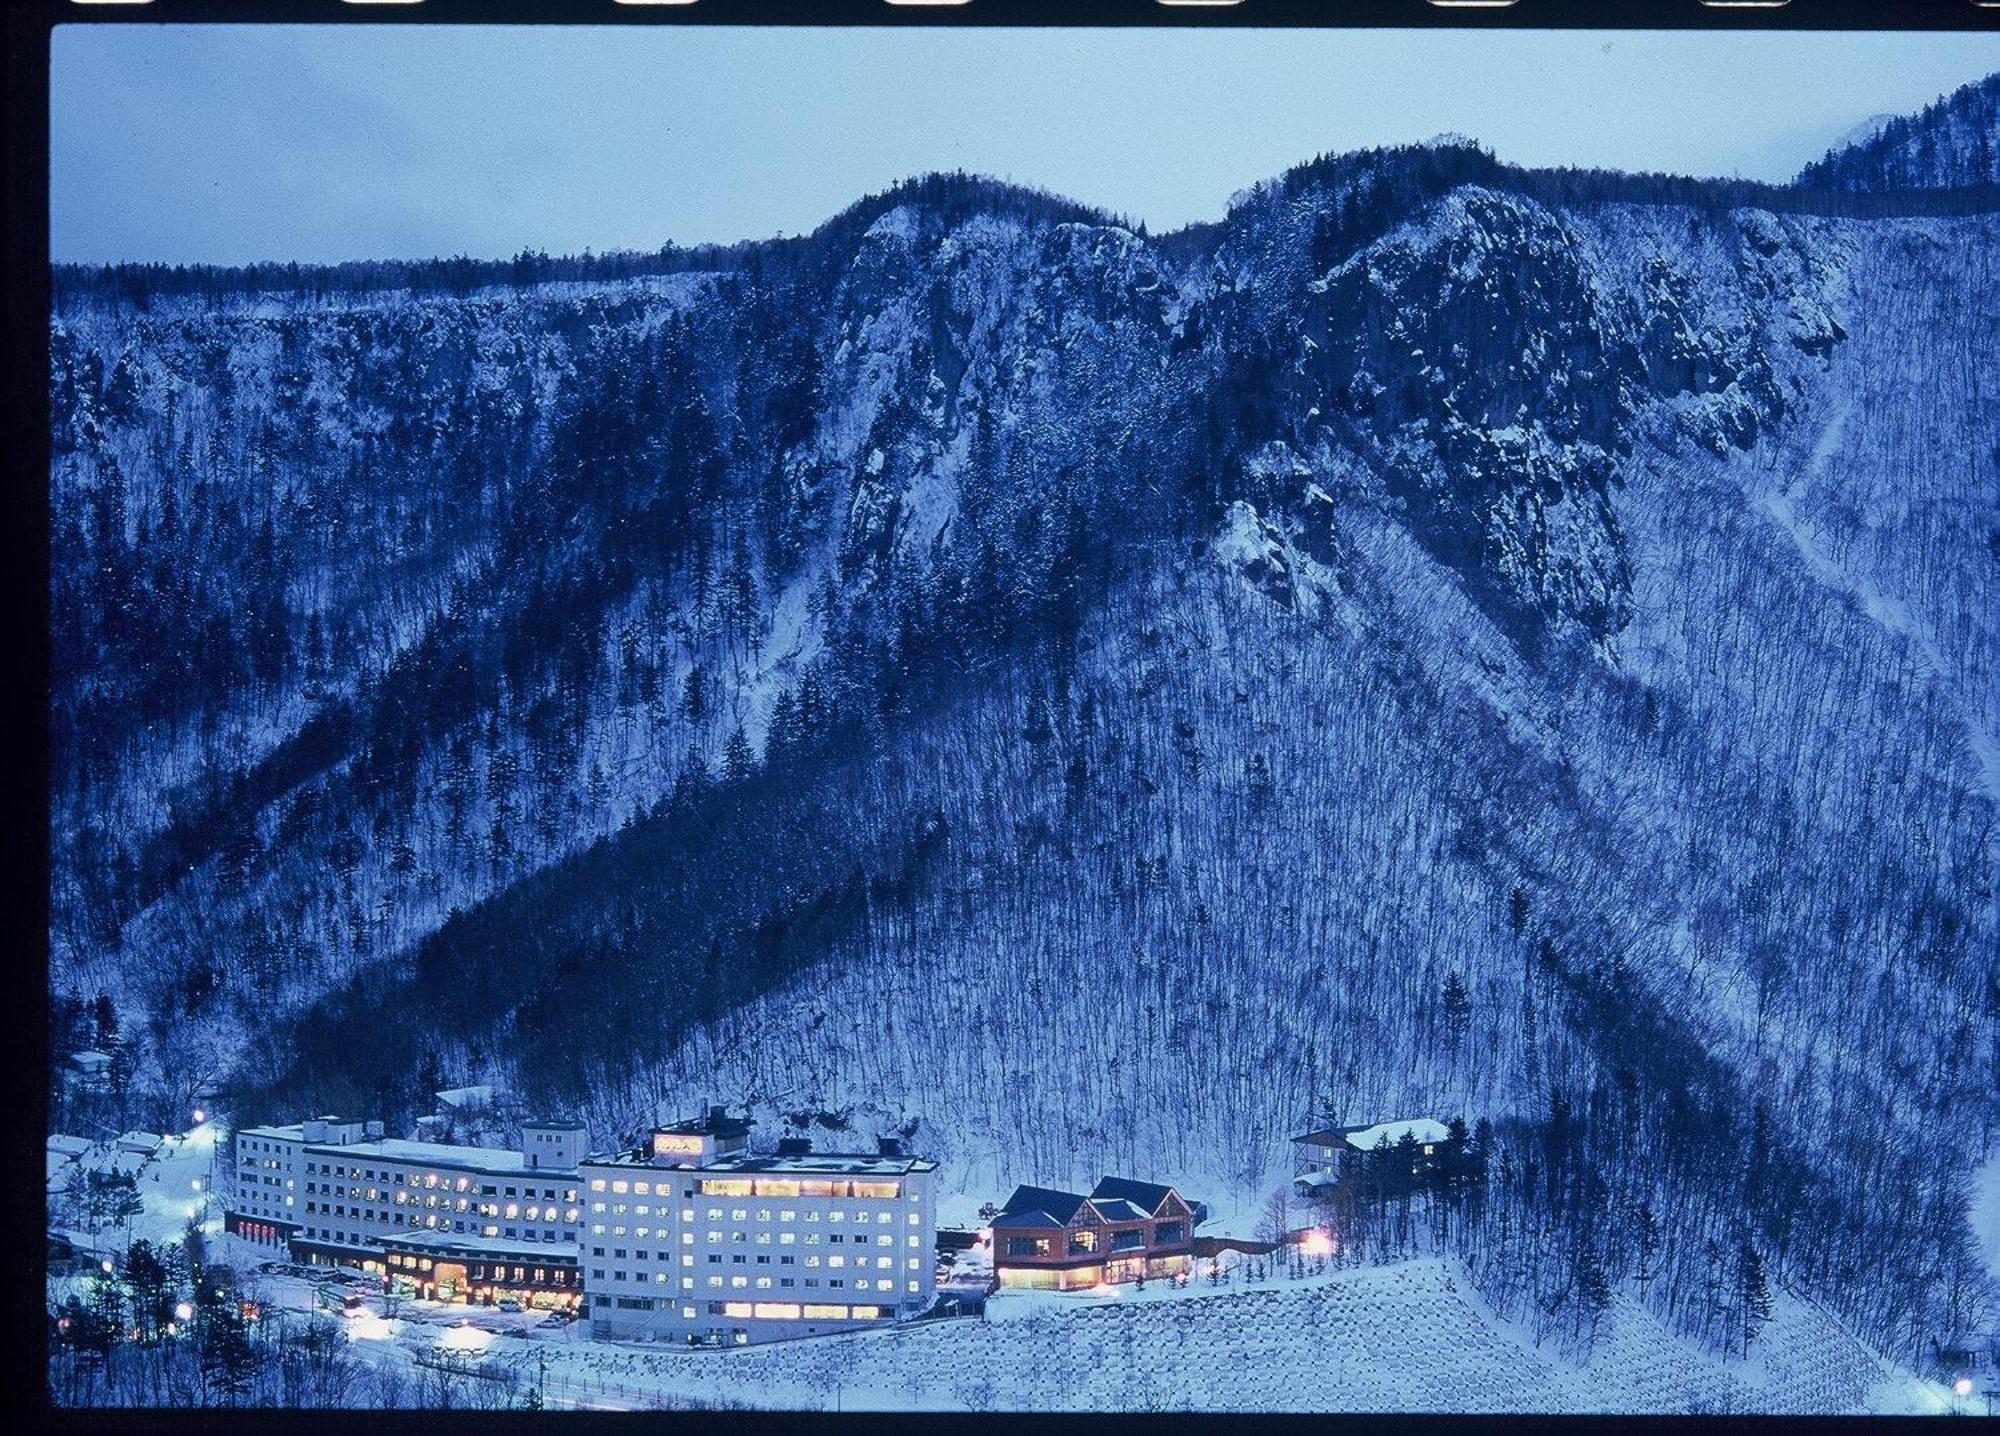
(795, 1146)
(889, 1146)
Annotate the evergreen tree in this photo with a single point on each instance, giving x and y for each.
(1753, 1296)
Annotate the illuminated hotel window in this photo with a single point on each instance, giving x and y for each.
(597, 1184)
(821, 1311)
(777, 1310)
(736, 1308)
(642, 1188)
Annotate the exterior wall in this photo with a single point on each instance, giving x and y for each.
(737, 1257)
(481, 1278)
(1315, 1160)
(341, 1203)
(264, 1181)
(349, 1196)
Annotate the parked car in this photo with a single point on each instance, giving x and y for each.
(508, 1303)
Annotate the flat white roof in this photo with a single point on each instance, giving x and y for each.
(499, 1161)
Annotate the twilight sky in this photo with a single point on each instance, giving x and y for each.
(235, 143)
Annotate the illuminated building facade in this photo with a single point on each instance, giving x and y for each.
(1123, 1231)
(443, 1221)
(692, 1239)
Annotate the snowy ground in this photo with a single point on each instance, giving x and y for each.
(1408, 1337)
(1985, 1212)
(175, 1182)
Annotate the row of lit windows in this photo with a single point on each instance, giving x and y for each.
(762, 1187)
(430, 1181)
(762, 1283)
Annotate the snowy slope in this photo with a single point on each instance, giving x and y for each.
(1409, 1337)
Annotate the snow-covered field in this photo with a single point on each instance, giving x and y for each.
(1985, 1212)
(1408, 1337)
(174, 1182)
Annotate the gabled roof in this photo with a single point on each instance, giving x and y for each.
(1058, 1205)
(1117, 1209)
(1015, 1220)
(1146, 1196)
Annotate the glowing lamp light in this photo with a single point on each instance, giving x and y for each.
(184, 1311)
(106, 1264)
(1962, 1386)
(1318, 1243)
(196, 1184)
(199, 1115)
(171, 1328)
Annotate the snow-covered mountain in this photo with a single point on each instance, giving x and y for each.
(1444, 638)
(1949, 145)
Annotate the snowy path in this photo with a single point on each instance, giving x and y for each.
(1893, 614)
(1985, 1212)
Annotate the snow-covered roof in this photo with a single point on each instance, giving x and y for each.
(479, 1096)
(1029, 1202)
(498, 1160)
(824, 1164)
(1419, 1129)
(1145, 1195)
(69, 1146)
(1117, 1209)
(91, 1058)
(140, 1142)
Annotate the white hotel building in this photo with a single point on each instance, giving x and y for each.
(693, 1239)
(434, 1220)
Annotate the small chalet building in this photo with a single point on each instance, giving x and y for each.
(1324, 1156)
(1064, 1241)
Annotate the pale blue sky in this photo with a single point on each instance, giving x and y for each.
(236, 143)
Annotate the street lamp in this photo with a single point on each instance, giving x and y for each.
(184, 1311)
(1962, 1386)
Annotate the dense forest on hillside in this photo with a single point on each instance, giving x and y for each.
(1445, 638)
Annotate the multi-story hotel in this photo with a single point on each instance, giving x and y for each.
(437, 1221)
(693, 1239)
